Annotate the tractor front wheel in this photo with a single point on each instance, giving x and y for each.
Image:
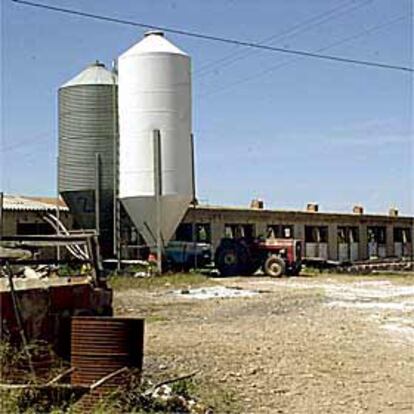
(274, 266)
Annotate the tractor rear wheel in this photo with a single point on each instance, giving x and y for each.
(274, 266)
(232, 258)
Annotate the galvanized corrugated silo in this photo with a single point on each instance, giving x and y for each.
(87, 127)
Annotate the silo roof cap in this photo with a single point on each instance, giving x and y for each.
(154, 32)
(153, 42)
(97, 63)
(94, 74)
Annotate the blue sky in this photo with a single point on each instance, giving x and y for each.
(288, 130)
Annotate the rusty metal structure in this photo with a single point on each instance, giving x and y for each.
(103, 345)
(40, 307)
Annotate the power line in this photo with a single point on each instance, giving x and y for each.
(309, 23)
(26, 142)
(291, 60)
(218, 38)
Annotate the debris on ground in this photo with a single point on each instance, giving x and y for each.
(20, 392)
(170, 399)
(286, 350)
(375, 266)
(383, 302)
(214, 292)
(176, 395)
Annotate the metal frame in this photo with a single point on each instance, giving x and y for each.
(32, 241)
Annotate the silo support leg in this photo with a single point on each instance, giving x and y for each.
(158, 193)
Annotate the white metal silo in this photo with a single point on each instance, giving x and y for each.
(154, 86)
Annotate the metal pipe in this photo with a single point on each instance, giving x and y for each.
(158, 193)
(74, 250)
(116, 204)
(194, 229)
(57, 206)
(194, 201)
(97, 192)
(115, 159)
(1, 214)
(193, 169)
(118, 234)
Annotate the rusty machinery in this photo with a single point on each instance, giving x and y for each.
(34, 308)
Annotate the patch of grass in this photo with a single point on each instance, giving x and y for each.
(15, 369)
(184, 387)
(9, 401)
(156, 318)
(175, 280)
(30, 401)
(312, 272)
(222, 400)
(69, 270)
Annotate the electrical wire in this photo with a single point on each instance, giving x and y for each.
(26, 142)
(338, 59)
(292, 60)
(310, 23)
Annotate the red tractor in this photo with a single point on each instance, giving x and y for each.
(276, 257)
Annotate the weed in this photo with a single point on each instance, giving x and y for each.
(175, 280)
(185, 387)
(69, 270)
(156, 318)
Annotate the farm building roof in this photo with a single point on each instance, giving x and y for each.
(25, 203)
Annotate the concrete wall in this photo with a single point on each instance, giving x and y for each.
(363, 241)
(219, 217)
(389, 240)
(333, 241)
(12, 218)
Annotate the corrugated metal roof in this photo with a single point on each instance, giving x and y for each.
(95, 74)
(14, 203)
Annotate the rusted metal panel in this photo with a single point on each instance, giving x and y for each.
(46, 308)
(101, 345)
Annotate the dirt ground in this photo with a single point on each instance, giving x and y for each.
(324, 344)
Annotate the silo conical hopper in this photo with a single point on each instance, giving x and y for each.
(154, 80)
